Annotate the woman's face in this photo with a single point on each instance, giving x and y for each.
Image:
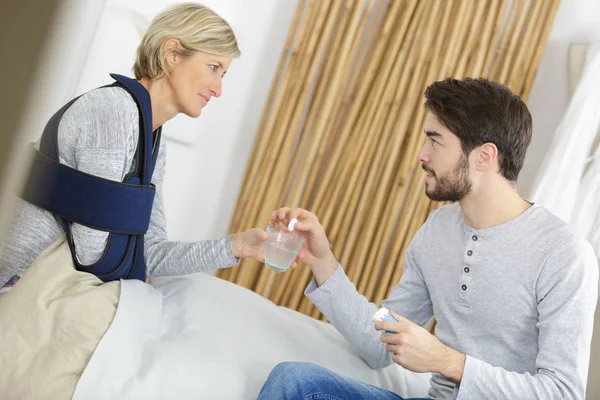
(195, 79)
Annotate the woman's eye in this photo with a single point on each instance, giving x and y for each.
(214, 67)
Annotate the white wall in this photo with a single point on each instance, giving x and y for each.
(576, 21)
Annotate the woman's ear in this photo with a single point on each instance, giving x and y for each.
(172, 47)
(487, 157)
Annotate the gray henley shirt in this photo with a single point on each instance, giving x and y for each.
(518, 299)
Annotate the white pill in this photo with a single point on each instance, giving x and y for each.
(292, 224)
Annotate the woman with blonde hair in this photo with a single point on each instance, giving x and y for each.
(99, 165)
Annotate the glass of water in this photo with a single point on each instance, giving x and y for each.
(282, 247)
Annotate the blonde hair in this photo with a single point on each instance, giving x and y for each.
(197, 27)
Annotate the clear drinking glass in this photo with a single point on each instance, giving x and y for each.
(282, 247)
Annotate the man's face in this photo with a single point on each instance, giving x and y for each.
(447, 172)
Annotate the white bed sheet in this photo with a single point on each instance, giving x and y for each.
(200, 337)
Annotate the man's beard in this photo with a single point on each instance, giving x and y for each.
(454, 185)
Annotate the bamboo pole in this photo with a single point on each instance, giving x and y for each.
(353, 100)
(375, 69)
(403, 179)
(381, 116)
(473, 36)
(352, 222)
(349, 97)
(361, 146)
(334, 97)
(369, 216)
(513, 42)
(277, 159)
(391, 275)
(507, 26)
(518, 68)
(294, 298)
(402, 134)
(496, 38)
(542, 39)
(490, 32)
(312, 135)
(292, 278)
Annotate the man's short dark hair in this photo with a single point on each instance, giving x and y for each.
(481, 111)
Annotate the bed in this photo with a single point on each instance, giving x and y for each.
(66, 334)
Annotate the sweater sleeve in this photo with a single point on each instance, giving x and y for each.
(351, 313)
(165, 257)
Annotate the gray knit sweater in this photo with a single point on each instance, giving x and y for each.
(98, 135)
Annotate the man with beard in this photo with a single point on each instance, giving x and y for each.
(512, 287)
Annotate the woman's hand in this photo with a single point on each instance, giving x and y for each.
(250, 244)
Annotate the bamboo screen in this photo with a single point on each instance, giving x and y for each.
(344, 119)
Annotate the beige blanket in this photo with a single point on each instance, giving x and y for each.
(50, 324)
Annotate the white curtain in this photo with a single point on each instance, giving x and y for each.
(569, 180)
(586, 213)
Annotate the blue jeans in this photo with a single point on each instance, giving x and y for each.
(307, 381)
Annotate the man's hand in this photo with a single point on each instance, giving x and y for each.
(250, 244)
(316, 252)
(416, 349)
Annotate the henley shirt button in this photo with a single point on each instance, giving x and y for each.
(474, 237)
(464, 287)
(469, 253)
(467, 270)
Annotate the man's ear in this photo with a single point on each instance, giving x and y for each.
(487, 157)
